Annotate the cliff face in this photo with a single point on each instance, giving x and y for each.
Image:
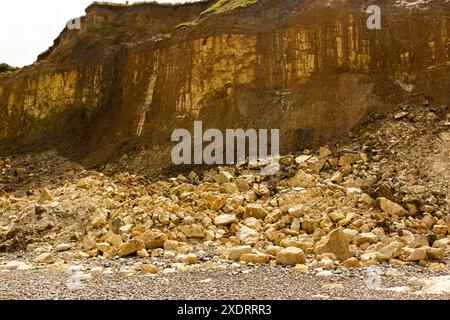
(133, 74)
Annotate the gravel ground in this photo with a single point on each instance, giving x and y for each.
(245, 283)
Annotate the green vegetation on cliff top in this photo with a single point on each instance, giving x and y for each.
(218, 7)
(223, 6)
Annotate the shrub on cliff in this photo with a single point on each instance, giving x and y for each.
(6, 68)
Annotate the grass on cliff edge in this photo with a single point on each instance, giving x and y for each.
(7, 69)
(223, 6)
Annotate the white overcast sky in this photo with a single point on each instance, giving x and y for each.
(28, 27)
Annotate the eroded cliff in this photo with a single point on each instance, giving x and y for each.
(133, 74)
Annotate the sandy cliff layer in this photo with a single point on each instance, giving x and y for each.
(133, 74)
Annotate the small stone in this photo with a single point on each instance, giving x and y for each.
(392, 250)
(224, 177)
(45, 196)
(396, 263)
(326, 263)
(390, 207)
(255, 210)
(171, 245)
(302, 268)
(130, 247)
(236, 252)
(191, 259)
(225, 220)
(143, 253)
(115, 240)
(440, 229)
(414, 254)
(88, 244)
(333, 286)
(12, 265)
(418, 240)
(324, 273)
(242, 184)
(351, 263)
(297, 211)
(230, 188)
(302, 179)
(63, 247)
(436, 267)
(47, 258)
(302, 159)
(127, 272)
(93, 253)
(291, 256)
(25, 267)
(365, 237)
(103, 247)
(126, 229)
(365, 198)
(169, 255)
(154, 239)
(441, 243)
(336, 215)
(273, 250)
(149, 268)
(335, 242)
(293, 242)
(193, 231)
(309, 226)
(349, 159)
(96, 270)
(336, 177)
(255, 258)
(444, 136)
(99, 219)
(400, 115)
(218, 203)
(324, 152)
(435, 253)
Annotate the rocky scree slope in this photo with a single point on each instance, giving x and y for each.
(378, 196)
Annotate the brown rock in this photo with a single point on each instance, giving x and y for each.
(45, 258)
(255, 258)
(390, 207)
(88, 243)
(225, 220)
(100, 218)
(291, 256)
(103, 247)
(351, 263)
(130, 247)
(414, 254)
(309, 225)
(149, 268)
(193, 231)
(348, 159)
(392, 250)
(335, 242)
(153, 239)
(384, 191)
(236, 252)
(45, 196)
(256, 211)
(435, 253)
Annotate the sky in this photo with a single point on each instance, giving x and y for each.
(28, 27)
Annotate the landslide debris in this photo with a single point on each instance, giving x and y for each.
(378, 195)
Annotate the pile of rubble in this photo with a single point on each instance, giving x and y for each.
(382, 196)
